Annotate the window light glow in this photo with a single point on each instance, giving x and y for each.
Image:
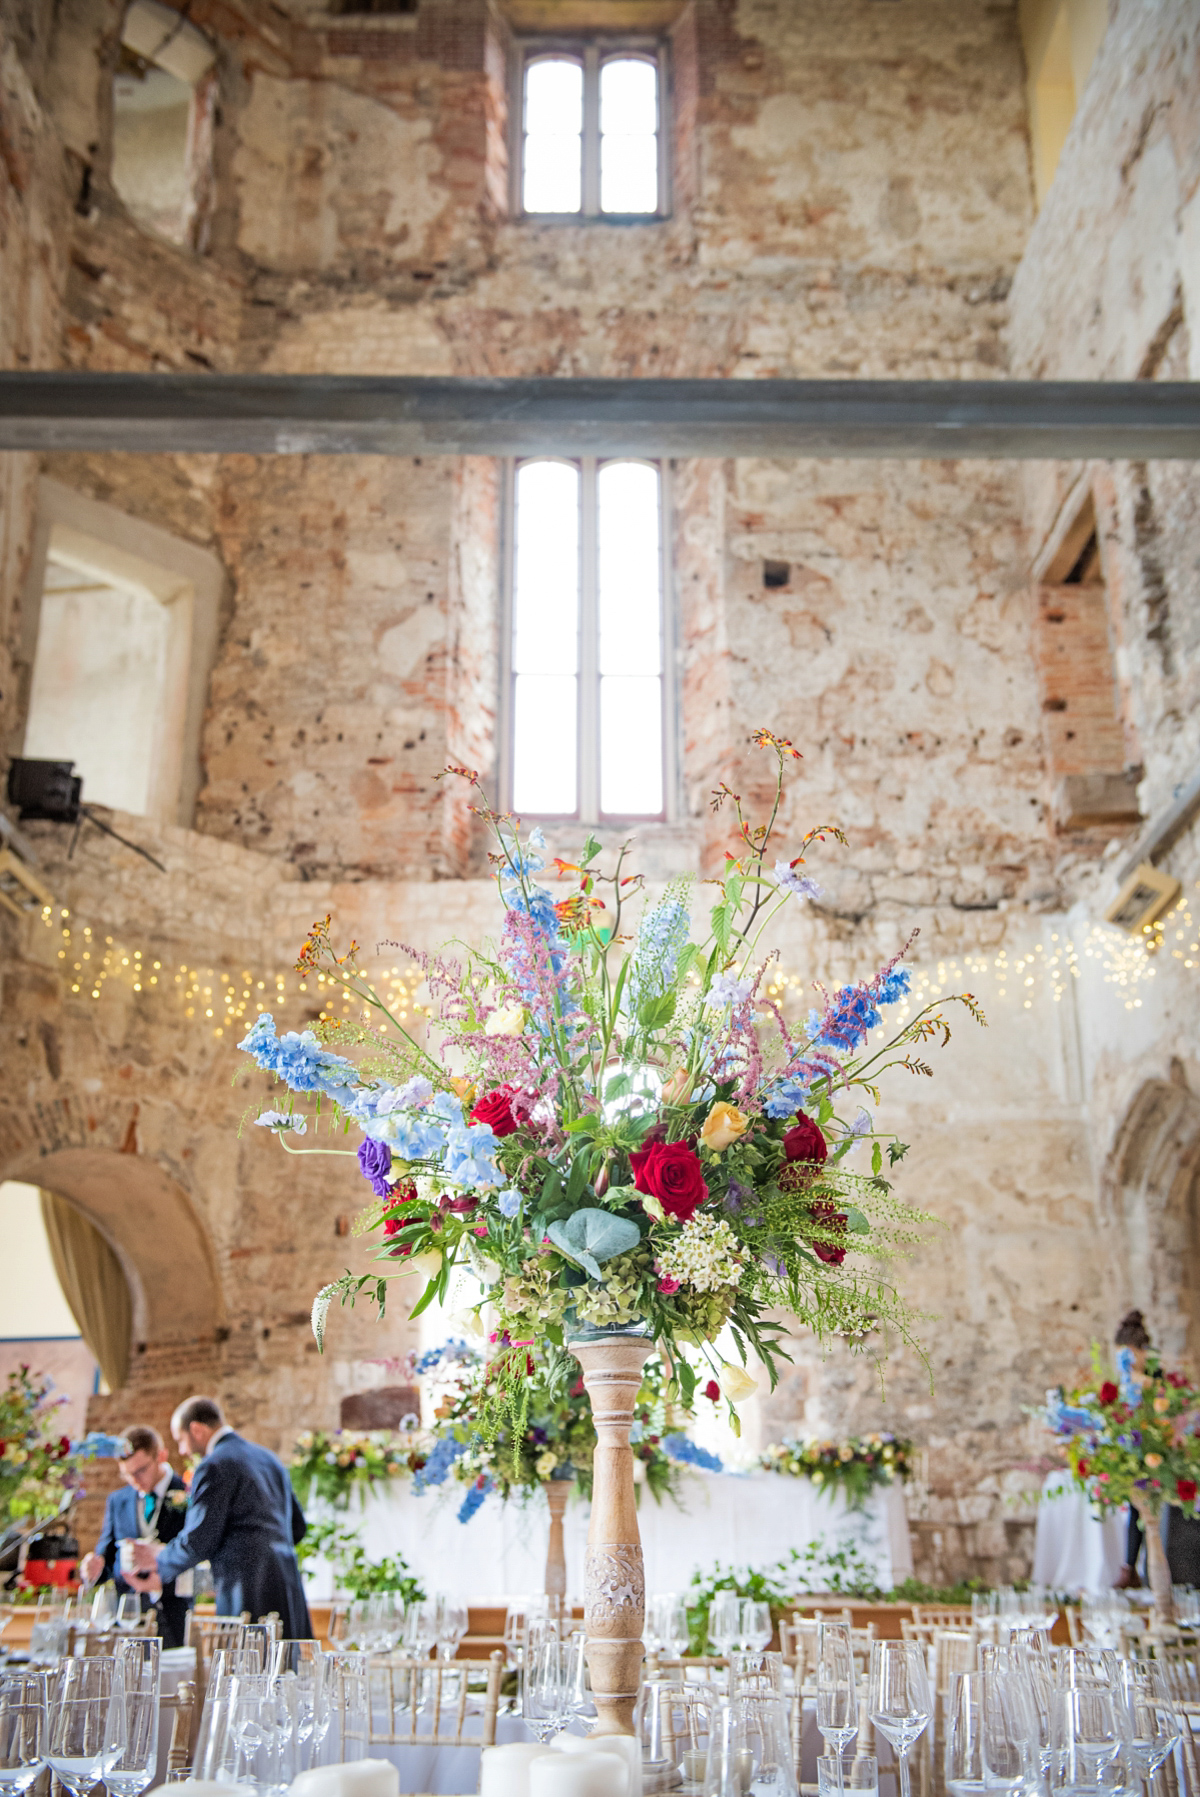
(628, 135)
(553, 168)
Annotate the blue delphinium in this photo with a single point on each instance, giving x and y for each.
(892, 986)
(474, 1498)
(299, 1060)
(682, 1447)
(437, 1469)
(98, 1446)
(785, 1099)
(661, 935)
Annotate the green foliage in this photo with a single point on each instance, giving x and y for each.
(855, 1467)
(354, 1574)
(37, 1467)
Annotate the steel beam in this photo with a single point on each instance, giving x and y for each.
(258, 414)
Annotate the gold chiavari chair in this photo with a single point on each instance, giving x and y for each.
(676, 1669)
(206, 1634)
(429, 1702)
(942, 1616)
(182, 1707)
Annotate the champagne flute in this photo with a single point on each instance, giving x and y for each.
(22, 1730)
(139, 1662)
(900, 1703)
(837, 1689)
(963, 1759)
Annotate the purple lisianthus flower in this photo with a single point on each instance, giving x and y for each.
(375, 1160)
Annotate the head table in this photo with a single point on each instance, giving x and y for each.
(748, 1519)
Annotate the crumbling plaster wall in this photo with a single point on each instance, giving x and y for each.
(852, 199)
(1109, 288)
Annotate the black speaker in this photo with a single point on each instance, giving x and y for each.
(45, 789)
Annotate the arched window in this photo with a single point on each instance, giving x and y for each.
(588, 708)
(592, 138)
(162, 106)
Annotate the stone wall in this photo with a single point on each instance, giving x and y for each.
(851, 198)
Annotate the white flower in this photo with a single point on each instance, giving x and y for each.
(736, 1383)
(506, 1020)
(295, 1121)
(726, 990)
(703, 1255)
(787, 877)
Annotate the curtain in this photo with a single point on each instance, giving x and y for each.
(93, 1284)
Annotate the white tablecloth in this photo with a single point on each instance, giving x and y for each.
(445, 1771)
(1072, 1550)
(750, 1520)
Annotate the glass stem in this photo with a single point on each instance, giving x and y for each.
(905, 1786)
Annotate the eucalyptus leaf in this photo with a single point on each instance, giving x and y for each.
(856, 1222)
(590, 1237)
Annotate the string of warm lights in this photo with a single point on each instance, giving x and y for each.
(93, 962)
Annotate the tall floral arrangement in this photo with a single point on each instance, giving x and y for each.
(555, 1440)
(619, 1127)
(39, 1466)
(1131, 1439)
(856, 1466)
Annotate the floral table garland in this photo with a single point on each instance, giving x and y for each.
(1134, 1440)
(557, 1442)
(331, 1465)
(856, 1466)
(624, 1139)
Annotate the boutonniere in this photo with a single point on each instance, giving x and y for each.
(177, 1499)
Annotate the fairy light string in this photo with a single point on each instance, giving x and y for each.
(228, 998)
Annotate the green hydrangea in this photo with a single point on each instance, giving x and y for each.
(618, 1299)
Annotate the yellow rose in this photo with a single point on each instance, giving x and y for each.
(1153, 1459)
(736, 1383)
(463, 1088)
(1162, 1404)
(723, 1125)
(507, 1020)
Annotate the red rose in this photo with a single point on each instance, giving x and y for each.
(713, 1390)
(501, 1109)
(804, 1142)
(1108, 1392)
(832, 1255)
(670, 1172)
(1186, 1490)
(1081, 1469)
(1177, 1380)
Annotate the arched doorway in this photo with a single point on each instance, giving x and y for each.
(1154, 1187)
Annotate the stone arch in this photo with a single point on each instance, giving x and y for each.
(1153, 1181)
(150, 1223)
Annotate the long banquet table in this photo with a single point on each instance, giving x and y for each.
(746, 1519)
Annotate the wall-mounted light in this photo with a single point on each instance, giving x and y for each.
(1145, 895)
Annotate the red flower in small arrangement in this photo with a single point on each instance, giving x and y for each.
(833, 1254)
(712, 1391)
(1108, 1393)
(804, 1142)
(1082, 1468)
(670, 1172)
(1177, 1380)
(1185, 1490)
(502, 1109)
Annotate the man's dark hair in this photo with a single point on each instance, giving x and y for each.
(1132, 1332)
(141, 1439)
(198, 1410)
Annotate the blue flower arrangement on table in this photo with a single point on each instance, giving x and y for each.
(556, 1442)
(615, 1130)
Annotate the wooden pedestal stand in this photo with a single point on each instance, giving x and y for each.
(1157, 1569)
(614, 1582)
(556, 1491)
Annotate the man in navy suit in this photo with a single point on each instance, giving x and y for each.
(150, 1506)
(243, 1518)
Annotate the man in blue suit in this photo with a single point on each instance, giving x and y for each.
(150, 1506)
(242, 1517)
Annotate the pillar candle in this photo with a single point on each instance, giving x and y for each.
(504, 1770)
(628, 1747)
(357, 1778)
(579, 1774)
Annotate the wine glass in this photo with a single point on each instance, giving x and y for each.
(257, 1727)
(86, 1722)
(349, 1722)
(138, 1662)
(767, 1745)
(837, 1688)
(754, 1625)
(899, 1702)
(129, 1612)
(420, 1628)
(546, 1687)
(1008, 1737)
(673, 1624)
(299, 1667)
(1086, 1740)
(104, 1608)
(22, 1730)
(452, 1625)
(1151, 1723)
(963, 1758)
(725, 1621)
